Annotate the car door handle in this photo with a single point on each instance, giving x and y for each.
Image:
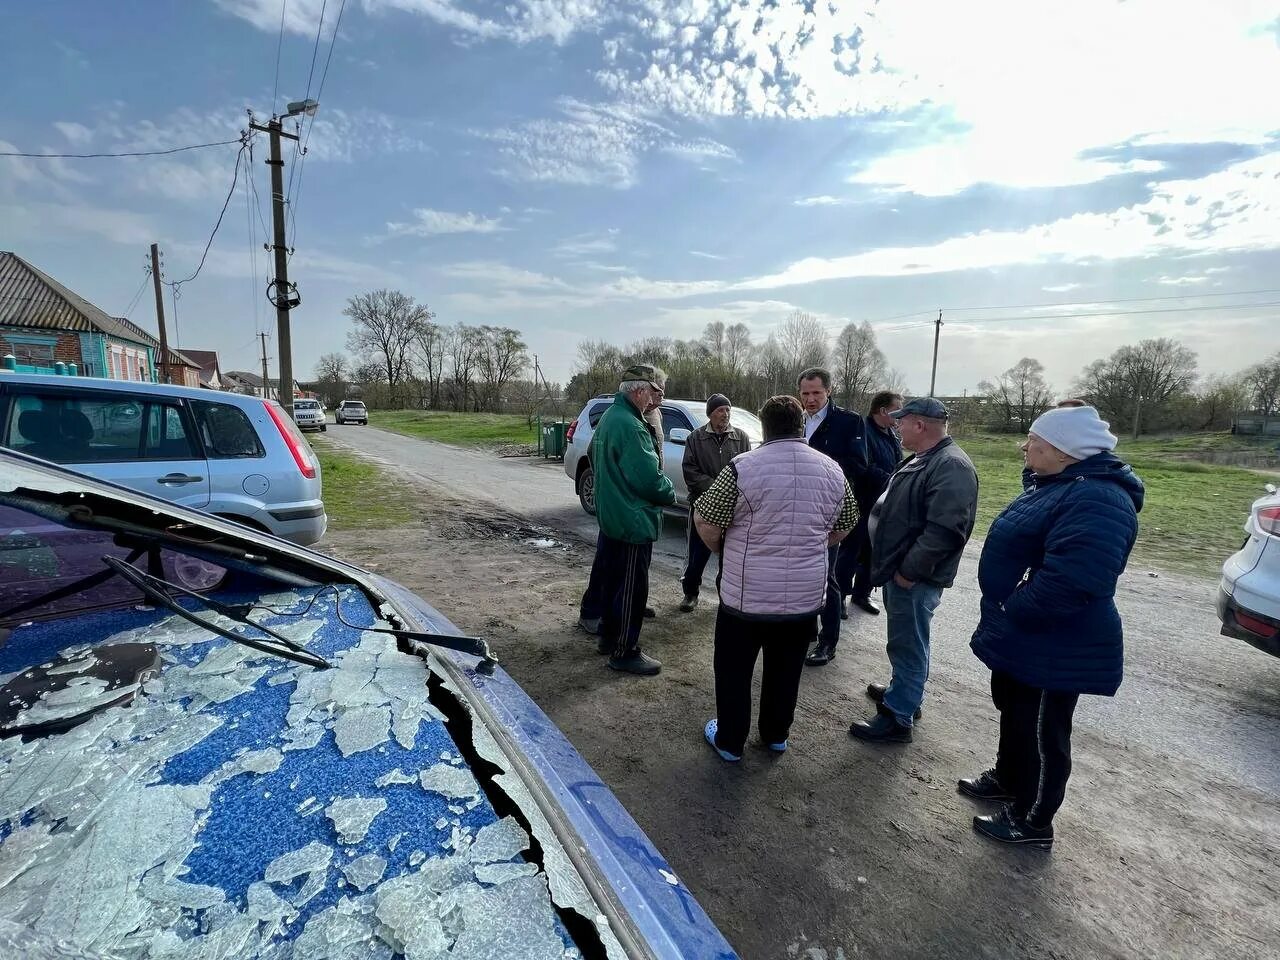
(179, 478)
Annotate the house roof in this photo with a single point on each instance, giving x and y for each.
(252, 379)
(29, 297)
(206, 360)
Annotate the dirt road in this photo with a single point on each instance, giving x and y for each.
(1168, 845)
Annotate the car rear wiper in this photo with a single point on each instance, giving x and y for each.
(157, 590)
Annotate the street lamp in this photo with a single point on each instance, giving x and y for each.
(299, 107)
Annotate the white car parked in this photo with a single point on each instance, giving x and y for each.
(679, 419)
(1249, 595)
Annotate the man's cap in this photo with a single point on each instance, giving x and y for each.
(644, 371)
(716, 401)
(930, 407)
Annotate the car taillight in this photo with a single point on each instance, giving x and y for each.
(1269, 520)
(1254, 625)
(292, 439)
(568, 434)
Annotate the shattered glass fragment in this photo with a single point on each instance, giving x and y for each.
(362, 728)
(192, 896)
(352, 816)
(449, 781)
(514, 919)
(363, 872)
(441, 823)
(304, 736)
(503, 840)
(404, 924)
(394, 776)
(261, 761)
(343, 932)
(502, 872)
(416, 858)
(394, 842)
(314, 857)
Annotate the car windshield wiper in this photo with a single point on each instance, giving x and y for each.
(158, 591)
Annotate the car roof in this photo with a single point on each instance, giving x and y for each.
(124, 386)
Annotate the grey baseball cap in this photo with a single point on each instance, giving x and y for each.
(930, 407)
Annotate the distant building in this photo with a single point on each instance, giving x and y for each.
(210, 372)
(242, 381)
(44, 324)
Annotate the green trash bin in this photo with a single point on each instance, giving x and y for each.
(553, 442)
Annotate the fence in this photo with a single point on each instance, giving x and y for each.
(1256, 424)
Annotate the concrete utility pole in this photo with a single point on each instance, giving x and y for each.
(937, 335)
(282, 295)
(163, 365)
(266, 382)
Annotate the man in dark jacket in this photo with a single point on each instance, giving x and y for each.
(883, 453)
(631, 491)
(839, 434)
(707, 451)
(919, 528)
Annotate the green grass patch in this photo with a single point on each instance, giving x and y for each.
(462, 429)
(359, 495)
(1194, 513)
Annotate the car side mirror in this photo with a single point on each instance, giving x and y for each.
(1269, 487)
(679, 435)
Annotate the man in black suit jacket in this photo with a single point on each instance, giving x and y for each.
(839, 434)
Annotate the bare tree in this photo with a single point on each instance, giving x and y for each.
(737, 347)
(715, 339)
(502, 357)
(1221, 398)
(465, 345)
(430, 347)
(1020, 394)
(386, 324)
(803, 342)
(332, 374)
(1139, 380)
(1263, 381)
(859, 364)
(895, 380)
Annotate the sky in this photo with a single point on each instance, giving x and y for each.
(1058, 179)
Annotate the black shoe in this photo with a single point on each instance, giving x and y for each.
(688, 603)
(650, 613)
(1008, 828)
(820, 655)
(984, 786)
(638, 663)
(590, 625)
(876, 692)
(605, 646)
(882, 728)
(867, 605)
(844, 608)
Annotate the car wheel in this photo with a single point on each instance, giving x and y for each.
(587, 490)
(325, 428)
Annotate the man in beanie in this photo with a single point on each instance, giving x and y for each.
(1049, 629)
(707, 451)
(918, 528)
(631, 491)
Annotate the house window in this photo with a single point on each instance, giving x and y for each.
(34, 354)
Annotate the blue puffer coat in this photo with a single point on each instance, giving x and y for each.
(1048, 577)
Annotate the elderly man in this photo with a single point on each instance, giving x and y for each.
(773, 512)
(707, 451)
(839, 434)
(631, 491)
(919, 527)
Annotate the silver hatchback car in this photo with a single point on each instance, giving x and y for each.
(236, 456)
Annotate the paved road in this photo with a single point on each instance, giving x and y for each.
(1188, 693)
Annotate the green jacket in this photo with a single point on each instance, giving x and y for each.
(631, 489)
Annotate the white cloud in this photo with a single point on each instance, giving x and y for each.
(1061, 288)
(584, 244)
(705, 256)
(300, 16)
(1188, 281)
(67, 220)
(825, 200)
(519, 21)
(429, 223)
(77, 134)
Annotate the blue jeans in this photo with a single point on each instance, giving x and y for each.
(908, 613)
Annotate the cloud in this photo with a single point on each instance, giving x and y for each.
(429, 223)
(705, 256)
(1061, 288)
(826, 200)
(77, 134)
(585, 244)
(517, 21)
(51, 221)
(300, 16)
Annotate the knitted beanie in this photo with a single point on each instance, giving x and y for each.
(1077, 431)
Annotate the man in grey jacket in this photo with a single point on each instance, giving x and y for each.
(919, 528)
(707, 451)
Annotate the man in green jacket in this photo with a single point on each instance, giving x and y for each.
(631, 491)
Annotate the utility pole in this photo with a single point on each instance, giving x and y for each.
(163, 365)
(281, 293)
(937, 334)
(266, 382)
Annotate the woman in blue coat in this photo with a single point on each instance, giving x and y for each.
(1049, 628)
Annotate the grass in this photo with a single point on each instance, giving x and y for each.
(462, 429)
(1194, 512)
(359, 495)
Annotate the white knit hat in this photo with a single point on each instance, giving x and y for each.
(1077, 431)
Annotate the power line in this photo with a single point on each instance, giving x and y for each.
(136, 153)
(275, 90)
(235, 179)
(302, 166)
(315, 50)
(146, 275)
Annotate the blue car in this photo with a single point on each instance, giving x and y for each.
(307, 762)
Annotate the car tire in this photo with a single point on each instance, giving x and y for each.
(587, 490)
(325, 428)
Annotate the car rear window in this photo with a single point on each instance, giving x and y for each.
(596, 413)
(226, 431)
(96, 429)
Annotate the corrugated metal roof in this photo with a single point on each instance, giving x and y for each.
(29, 297)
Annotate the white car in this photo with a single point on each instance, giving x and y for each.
(679, 419)
(352, 411)
(309, 415)
(1249, 595)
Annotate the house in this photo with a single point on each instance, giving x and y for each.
(210, 372)
(44, 324)
(182, 370)
(242, 381)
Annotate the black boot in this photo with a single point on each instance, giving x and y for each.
(1006, 827)
(866, 604)
(985, 786)
(820, 655)
(882, 728)
(876, 692)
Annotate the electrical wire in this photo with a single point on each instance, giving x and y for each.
(253, 242)
(315, 50)
(136, 153)
(235, 179)
(275, 90)
(146, 275)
